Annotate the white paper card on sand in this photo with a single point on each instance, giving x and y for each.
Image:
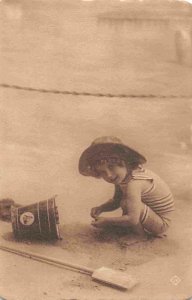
(113, 277)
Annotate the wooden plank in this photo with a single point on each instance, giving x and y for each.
(115, 278)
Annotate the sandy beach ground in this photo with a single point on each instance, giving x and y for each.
(70, 48)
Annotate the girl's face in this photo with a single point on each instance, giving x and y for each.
(112, 172)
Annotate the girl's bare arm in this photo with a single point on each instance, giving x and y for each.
(110, 205)
(132, 199)
(113, 203)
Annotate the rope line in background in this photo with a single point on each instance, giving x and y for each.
(74, 93)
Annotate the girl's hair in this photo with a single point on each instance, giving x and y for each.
(114, 161)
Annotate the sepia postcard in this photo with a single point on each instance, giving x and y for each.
(95, 149)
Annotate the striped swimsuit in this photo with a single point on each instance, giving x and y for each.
(159, 197)
(158, 201)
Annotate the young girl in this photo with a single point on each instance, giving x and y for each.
(145, 199)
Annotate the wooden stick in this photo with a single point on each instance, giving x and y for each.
(48, 260)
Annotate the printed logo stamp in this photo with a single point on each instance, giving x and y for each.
(175, 280)
(27, 218)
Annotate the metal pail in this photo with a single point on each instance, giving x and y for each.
(38, 220)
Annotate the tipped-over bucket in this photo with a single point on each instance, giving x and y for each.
(38, 220)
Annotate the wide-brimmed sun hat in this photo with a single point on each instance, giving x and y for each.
(106, 147)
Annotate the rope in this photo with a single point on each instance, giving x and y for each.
(75, 93)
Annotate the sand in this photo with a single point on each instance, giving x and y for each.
(57, 46)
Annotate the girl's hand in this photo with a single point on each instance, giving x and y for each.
(100, 222)
(95, 212)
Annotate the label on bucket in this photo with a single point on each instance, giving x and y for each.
(27, 218)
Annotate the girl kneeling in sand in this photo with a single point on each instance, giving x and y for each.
(145, 199)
